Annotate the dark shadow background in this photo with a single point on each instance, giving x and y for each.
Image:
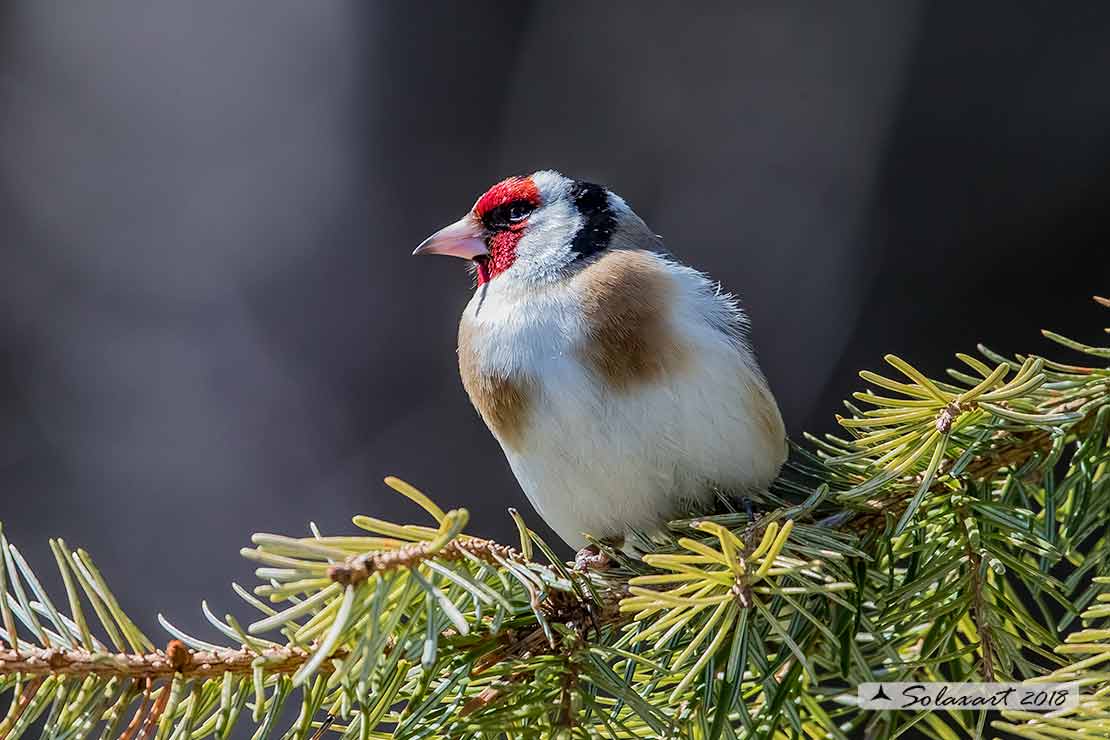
(210, 323)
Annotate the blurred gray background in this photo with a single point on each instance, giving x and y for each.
(210, 323)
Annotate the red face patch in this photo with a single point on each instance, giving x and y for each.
(503, 241)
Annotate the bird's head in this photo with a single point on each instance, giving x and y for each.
(535, 228)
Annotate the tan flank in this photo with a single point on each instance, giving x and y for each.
(623, 298)
(504, 403)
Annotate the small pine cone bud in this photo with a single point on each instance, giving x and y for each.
(178, 655)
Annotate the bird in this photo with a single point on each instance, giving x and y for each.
(619, 382)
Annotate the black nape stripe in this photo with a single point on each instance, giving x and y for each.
(598, 220)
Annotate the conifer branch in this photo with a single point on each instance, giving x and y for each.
(359, 568)
(39, 662)
(955, 531)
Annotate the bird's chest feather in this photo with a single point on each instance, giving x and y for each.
(513, 354)
(557, 362)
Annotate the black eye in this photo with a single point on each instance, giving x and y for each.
(519, 211)
(509, 213)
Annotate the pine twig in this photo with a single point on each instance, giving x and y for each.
(359, 568)
(202, 664)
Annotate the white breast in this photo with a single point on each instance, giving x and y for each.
(597, 460)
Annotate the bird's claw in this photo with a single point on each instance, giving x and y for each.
(748, 509)
(591, 557)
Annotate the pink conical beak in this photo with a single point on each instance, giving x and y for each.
(465, 238)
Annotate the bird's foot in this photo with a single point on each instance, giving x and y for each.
(748, 509)
(591, 557)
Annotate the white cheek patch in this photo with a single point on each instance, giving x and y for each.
(545, 248)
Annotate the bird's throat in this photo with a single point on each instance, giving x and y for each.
(481, 264)
(502, 253)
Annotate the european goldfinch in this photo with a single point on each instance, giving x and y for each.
(618, 381)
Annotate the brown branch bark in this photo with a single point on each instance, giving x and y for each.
(37, 662)
(361, 567)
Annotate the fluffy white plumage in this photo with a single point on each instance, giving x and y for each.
(605, 446)
(600, 461)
